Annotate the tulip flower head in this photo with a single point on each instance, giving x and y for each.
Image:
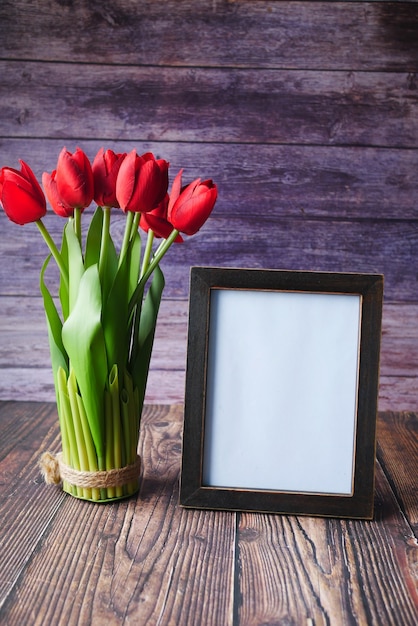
(21, 195)
(141, 183)
(157, 221)
(105, 169)
(50, 187)
(74, 179)
(190, 206)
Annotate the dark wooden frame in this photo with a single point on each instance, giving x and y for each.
(193, 493)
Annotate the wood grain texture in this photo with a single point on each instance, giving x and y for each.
(143, 560)
(402, 391)
(215, 105)
(399, 432)
(327, 182)
(275, 242)
(27, 430)
(295, 570)
(167, 386)
(25, 371)
(146, 560)
(320, 35)
(23, 342)
(304, 113)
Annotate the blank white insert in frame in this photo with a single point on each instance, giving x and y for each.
(282, 391)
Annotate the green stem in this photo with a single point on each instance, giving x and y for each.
(160, 252)
(73, 452)
(134, 320)
(77, 224)
(78, 430)
(64, 414)
(133, 416)
(104, 245)
(126, 417)
(117, 426)
(135, 224)
(54, 251)
(147, 253)
(126, 236)
(109, 439)
(135, 313)
(89, 445)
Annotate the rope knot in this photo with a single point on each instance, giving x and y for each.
(50, 469)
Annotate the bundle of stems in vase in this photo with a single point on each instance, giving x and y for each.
(101, 325)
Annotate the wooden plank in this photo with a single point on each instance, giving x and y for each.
(24, 340)
(22, 500)
(21, 422)
(24, 337)
(271, 180)
(164, 386)
(208, 104)
(143, 560)
(25, 370)
(396, 393)
(398, 455)
(399, 344)
(320, 35)
(26, 373)
(387, 247)
(298, 570)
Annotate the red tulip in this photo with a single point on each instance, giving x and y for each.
(21, 195)
(74, 179)
(51, 192)
(190, 207)
(142, 182)
(157, 221)
(105, 171)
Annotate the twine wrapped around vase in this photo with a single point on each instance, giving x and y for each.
(54, 470)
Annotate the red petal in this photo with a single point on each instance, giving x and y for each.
(175, 191)
(125, 181)
(19, 206)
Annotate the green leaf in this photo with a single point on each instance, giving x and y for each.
(63, 287)
(115, 318)
(145, 341)
(115, 308)
(59, 356)
(75, 263)
(83, 338)
(134, 262)
(111, 267)
(93, 240)
(109, 261)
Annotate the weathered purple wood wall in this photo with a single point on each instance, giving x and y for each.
(305, 114)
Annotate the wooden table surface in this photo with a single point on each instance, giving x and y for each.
(146, 560)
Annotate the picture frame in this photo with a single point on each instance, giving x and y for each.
(281, 391)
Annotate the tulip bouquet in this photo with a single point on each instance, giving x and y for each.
(101, 325)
